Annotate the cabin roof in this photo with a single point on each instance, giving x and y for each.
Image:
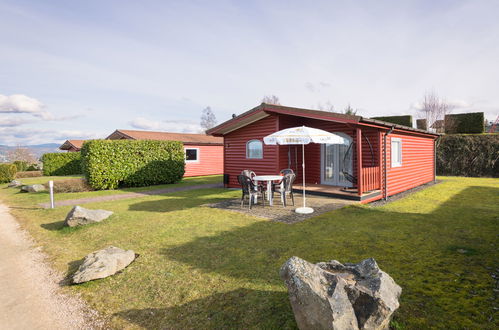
(186, 138)
(265, 110)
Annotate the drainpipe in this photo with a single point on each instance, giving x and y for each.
(385, 185)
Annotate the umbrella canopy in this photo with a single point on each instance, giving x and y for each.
(304, 135)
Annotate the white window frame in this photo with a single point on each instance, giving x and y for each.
(247, 145)
(197, 155)
(393, 161)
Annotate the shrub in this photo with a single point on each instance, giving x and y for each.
(421, 124)
(108, 164)
(399, 120)
(33, 167)
(70, 185)
(7, 172)
(468, 155)
(61, 163)
(465, 123)
(28, 174)
(21, 165)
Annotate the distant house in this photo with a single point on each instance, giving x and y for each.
(204, 154)
(72, 145)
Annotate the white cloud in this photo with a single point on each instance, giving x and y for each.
(19, 103)
(29, 135)
(12, 122)
(181, 126)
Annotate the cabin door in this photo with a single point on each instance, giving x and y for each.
(335, 160)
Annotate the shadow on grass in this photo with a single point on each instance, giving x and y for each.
(72, 267)
(238, 309)
(182, 200)
(416, 249)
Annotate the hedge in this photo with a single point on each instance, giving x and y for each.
(468, 155)
(7, 172)
(399, 120)
(108, 164)
(61, 163)
(421, 124)
(465, 123)
(21, 165)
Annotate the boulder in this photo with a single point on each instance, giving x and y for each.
(81, 216)
(103, 263)
(15, 184)
(32, 188)
(331, 295)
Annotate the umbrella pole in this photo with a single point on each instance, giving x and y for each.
(304, 209)
(303, 170)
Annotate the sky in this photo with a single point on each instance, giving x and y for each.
(81, 69)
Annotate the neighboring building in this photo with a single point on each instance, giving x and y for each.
(364, 170)
(204, 153)
(72, 145)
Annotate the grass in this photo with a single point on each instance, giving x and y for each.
(44, 196)
(210, 268)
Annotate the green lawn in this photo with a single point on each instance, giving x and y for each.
(207, 268)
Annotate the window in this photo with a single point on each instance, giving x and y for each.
(396, 152)
(254, 149)
(191, 155)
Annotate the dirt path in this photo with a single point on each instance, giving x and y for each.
(130, 195)
(30, 296)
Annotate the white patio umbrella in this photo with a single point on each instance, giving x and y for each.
(303, 135)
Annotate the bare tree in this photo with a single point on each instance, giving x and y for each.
(328, 106)
(22, 154)
(271, 99)
(433, 108)
(208, 119)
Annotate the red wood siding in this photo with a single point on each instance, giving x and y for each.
(417, 163)
(210, 161)
(235, 150)
(417, 154)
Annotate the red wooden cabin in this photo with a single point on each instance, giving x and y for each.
(204, 153)
(382, 159)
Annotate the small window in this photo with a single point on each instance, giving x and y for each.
(191, 155)
(254, 149)
(396, 152)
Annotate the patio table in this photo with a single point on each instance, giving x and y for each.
(269, 179)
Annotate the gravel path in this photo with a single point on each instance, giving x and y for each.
(30, 296)
(130, 195)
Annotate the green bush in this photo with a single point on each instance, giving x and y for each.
(108, 164)
(399, 120)
(61, 163)
(421, 124)
(465, 123)
(21, 165)
(7, 172)
(33, 167)
(468, 155)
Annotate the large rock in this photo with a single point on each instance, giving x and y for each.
(331, 295)
(103, 263)
(81, 216)
(32, 188)
(14, 184)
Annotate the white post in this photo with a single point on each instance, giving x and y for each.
(303, 169)
(51, 187)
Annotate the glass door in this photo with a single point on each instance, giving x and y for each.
(336, 159)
